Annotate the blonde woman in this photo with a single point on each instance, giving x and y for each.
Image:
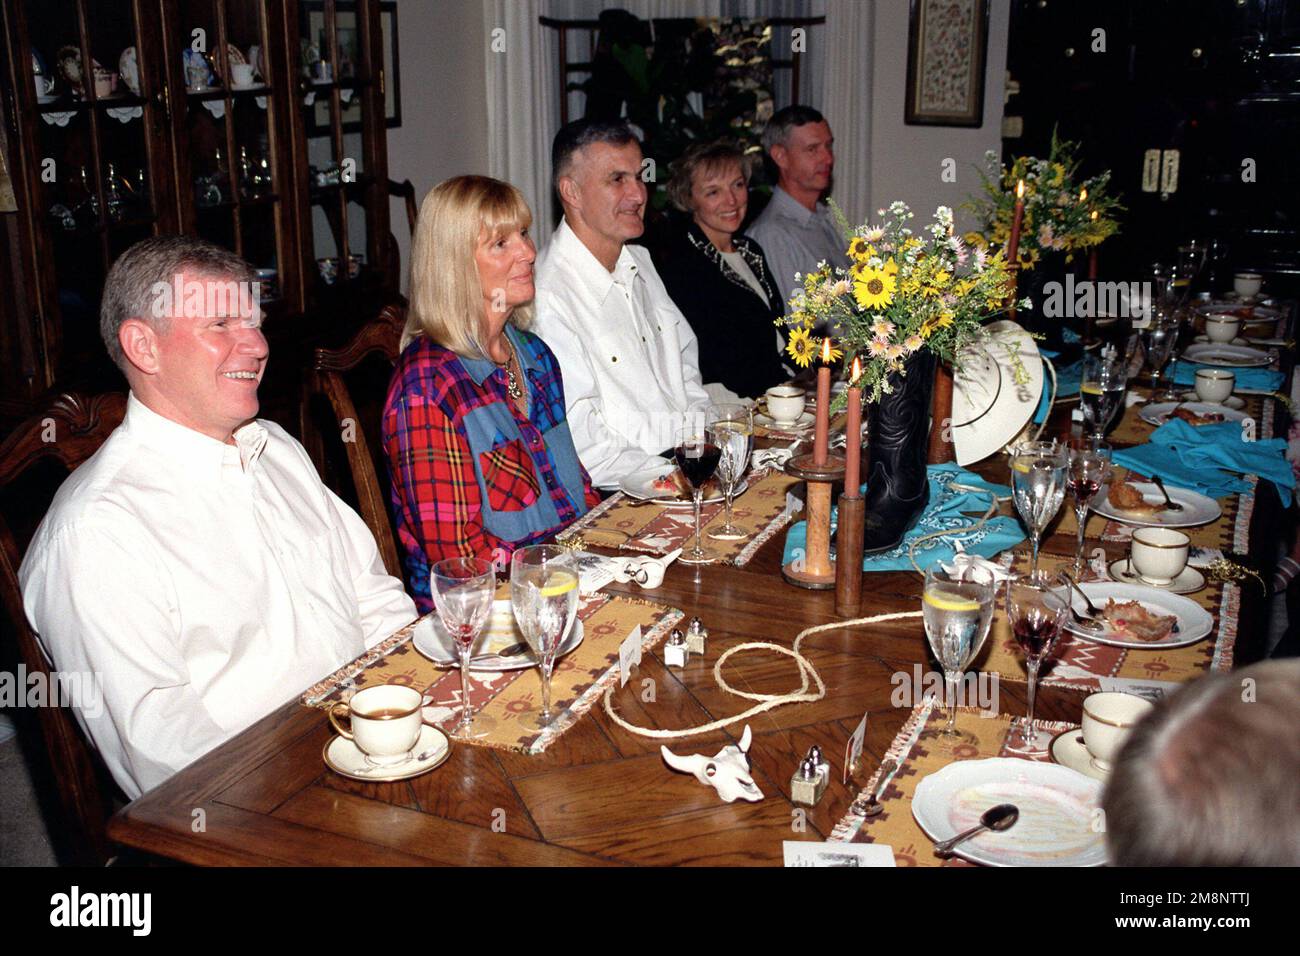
(481, 459)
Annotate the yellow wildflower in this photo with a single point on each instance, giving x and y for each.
(874, 289)
(859, 248)
(801, 348)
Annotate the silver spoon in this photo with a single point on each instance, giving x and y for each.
(999, 818)
(1170, 504)
(375, 768)
(872, 806)
(1086, 623)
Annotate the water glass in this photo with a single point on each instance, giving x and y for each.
(544, 598)
(1038, 477)
(957, 614)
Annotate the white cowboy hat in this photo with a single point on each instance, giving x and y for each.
(996, 391)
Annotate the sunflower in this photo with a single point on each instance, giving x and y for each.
(891, 267)
(801, 348)
(874, 289)
(1058, 174)
(859, 248)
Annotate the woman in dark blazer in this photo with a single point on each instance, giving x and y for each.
(719, 278)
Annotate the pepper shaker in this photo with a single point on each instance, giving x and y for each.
(696, 635)
(676, 651)
(808, 783)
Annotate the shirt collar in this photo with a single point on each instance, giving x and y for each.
(193, 450)
(789, 206)
(479, 369)
(587, 268)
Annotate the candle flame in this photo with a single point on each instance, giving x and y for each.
(1094, 214)
(826, 350)
(857, 370)
(1020, 189)
(1083, 194)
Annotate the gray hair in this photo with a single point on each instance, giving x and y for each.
(706, 158)
(130, 290)
(1211, 777)
(579, 134)
(784, 120)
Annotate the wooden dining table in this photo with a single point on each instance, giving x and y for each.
(600, 795)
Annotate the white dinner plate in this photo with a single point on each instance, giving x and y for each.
(640, 485)
(1197, 508)
(501, 631)
(1240, 310)
(1227, 356)
(1232, 401)
(1157, 413)
(1058, 812)
(805, 420)
(1194, 622)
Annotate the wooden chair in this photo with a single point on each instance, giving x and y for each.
(406, 191)
(68, 432)
(327, 398)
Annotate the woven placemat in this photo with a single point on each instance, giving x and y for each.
(981, 737)
(630, 525)
(506, 704)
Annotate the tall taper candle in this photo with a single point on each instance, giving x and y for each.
(1013, 244)
(853, 432)
(820, 436)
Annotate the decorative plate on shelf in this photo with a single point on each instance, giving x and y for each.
(128, 66)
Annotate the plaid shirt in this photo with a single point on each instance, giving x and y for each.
(470, 476)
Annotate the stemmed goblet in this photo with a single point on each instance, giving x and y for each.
(462, 593)
(1038, 477)
(697, 453)
(957, 614)
(1101, 391)
(544, 597)
(1089, 468)
(1036, 606)
(733, 427)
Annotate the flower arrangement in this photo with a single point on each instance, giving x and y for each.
(1062, 213)
(902, 293)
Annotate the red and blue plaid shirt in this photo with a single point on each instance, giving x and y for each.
(470, 476)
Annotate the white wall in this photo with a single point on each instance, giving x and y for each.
(906, 161)
(442, 50)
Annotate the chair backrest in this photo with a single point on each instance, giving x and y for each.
(69, 432)
(325, 388)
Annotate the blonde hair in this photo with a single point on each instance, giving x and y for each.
(446, 291)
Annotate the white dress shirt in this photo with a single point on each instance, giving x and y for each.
(795, 238)
(203, 584)
(628, 357)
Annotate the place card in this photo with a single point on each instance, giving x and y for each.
(853, 749)
(1152, 690)
(594, 571)
(629, 654)
(799, 853)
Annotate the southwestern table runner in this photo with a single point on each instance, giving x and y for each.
(630, 525)
(506, 704)
(1080, 664)
(981, 737)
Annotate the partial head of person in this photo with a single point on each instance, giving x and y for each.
(597, 168)
(180, 318)
(798, 139)
(711, 182)
(1211, 777)
(471, 265)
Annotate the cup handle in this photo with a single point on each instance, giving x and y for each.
(335, 721)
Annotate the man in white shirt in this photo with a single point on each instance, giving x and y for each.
(196, 566)
(796, 229)
(628, 356)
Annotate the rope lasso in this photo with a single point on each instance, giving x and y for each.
(767, 701)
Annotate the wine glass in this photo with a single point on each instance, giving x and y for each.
(1089, 468)
(1102, 390)
(697, 453)
(733, 427)
(957, 615)
(544, 597)
(1158, 339)
(1038, 477)
(462, 593)
(1036, 606)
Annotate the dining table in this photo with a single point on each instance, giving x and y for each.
(599, 794)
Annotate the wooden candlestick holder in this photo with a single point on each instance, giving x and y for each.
(815, 570)
(848, 554)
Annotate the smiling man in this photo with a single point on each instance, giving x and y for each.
(196, 564)
(629, 358)
(796, 229)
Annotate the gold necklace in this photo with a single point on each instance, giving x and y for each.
(512, 381)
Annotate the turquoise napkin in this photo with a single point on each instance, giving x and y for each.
(1256, 379)
(1205, 459)
(950, 507)
(1068, 381)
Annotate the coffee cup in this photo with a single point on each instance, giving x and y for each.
(1247, 284)
(785, 403)
(1159, 554)
(1107, 719)
(241, 74)
(384, 721)
(1214, 385)
(1222, 328)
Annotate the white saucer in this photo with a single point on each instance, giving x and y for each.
(344, 757)
(1187, 582)
(1205, 339)
(804, 420)
(1069, 750)
(1232, 401)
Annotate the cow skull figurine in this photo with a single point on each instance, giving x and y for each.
(727, 770)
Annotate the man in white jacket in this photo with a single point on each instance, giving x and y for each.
(627, 354)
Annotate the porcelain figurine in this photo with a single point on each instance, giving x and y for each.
(727, 771)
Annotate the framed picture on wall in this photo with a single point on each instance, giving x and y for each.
(349, 38)
(947, 46)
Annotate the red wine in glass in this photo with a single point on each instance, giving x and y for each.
(698, 461)
(1083, 489)
(1036, 636)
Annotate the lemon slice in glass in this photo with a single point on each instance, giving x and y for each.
(948, 601)
(1090, 388)
(559, 582)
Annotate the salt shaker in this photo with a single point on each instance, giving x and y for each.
(696, 635)
(808, 783)
(676, 650)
